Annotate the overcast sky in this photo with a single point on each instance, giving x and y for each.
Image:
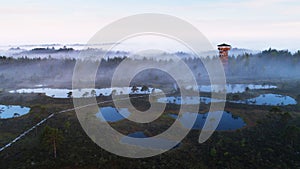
(252, 24)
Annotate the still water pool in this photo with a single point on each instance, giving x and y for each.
(10, 111)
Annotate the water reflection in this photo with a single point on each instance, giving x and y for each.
(111, 114)
(269, 100)
(86, 92)
(231, 88)
(264, 99)
(227, 122)
(9, 111)
(187, 100)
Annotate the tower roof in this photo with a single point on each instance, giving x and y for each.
(224, 45)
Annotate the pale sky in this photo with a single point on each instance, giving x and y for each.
(251, 24)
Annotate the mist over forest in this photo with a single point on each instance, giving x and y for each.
(29, 71)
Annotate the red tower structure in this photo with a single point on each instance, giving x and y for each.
(223, 54)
